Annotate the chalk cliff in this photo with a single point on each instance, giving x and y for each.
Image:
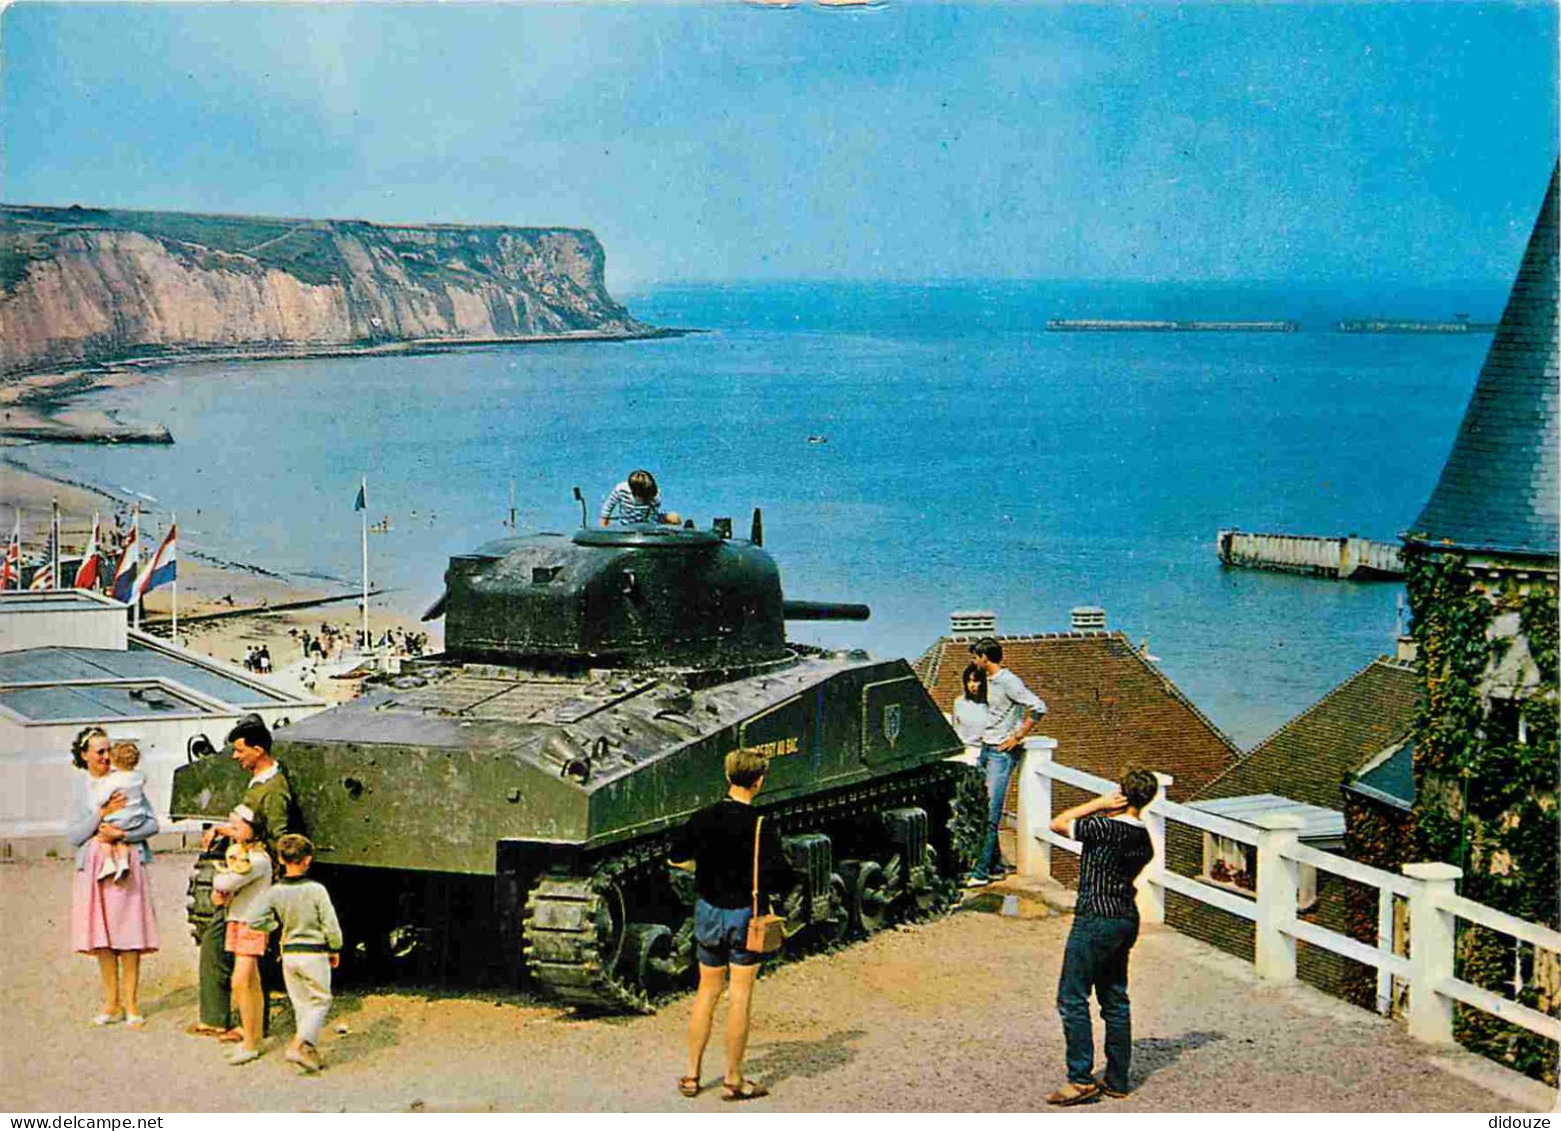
(80, 286)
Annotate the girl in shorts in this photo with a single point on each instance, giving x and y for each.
(242, 892)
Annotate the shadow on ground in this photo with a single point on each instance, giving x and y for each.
(783, 1060)
(1150, 1054)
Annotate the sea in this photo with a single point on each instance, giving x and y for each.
(922, 448)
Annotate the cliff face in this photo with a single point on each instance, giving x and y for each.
(81, 286)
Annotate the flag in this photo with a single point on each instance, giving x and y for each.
(87, 574)
(42, 576)
(164, 566)
(11, 569)
(362, 501)
(129, 559)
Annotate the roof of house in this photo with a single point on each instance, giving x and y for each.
(1308, 758)
(58, 683)
(1317, 821)
(1499, 490)
(1107, 704)
(1389, 777)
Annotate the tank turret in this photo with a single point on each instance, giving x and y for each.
(623, 597)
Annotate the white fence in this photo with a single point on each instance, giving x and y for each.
(1434, 907)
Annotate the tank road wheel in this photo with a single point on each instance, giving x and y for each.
(936, 890)
(574, 940)
(837, 927)
(649, 957)
(868, 895)
(967, 818)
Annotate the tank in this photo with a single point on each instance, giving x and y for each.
(511, 801)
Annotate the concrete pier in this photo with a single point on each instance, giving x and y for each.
(1346, 557)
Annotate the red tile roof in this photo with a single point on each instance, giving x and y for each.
(1107, 704)
(1308, 758)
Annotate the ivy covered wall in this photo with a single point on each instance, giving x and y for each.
(1486, 774)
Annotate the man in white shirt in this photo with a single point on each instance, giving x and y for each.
(1014, 710)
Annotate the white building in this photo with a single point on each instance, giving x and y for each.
(68, 660)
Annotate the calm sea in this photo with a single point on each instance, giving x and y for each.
(972, 459)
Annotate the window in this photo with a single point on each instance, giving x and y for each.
(1230, 863)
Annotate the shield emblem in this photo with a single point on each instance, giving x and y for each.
(891, 723)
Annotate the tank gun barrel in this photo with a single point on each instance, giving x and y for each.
(825, 610)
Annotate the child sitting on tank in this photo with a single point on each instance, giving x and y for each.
(311, 945)
(124, 779)
(637, 500)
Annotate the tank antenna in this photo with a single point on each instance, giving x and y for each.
(579, 498)
(756, 534)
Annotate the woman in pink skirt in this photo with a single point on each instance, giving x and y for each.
(109, 919)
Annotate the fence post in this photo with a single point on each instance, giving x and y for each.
(1385, 943)
(1430, 951)
(1151, 881)
(1276, 895)
(1034, 851)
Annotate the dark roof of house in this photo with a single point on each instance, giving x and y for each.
(50, 670)
(1391, 780)
(1499, 490)
(1107, 704)
(1309, 757)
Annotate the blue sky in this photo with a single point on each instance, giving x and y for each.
(917, 141)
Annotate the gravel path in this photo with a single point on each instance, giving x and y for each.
(951, 1016)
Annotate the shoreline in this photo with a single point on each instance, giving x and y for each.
(34, 403)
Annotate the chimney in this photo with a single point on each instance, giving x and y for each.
(972, 623)
(1406, 652)
(1089, 618)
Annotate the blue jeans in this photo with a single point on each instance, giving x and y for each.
(997, 766)
(1096, 959)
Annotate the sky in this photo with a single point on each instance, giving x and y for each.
(914, 141)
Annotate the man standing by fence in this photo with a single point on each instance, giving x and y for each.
(1105, 927)
(1013, 710)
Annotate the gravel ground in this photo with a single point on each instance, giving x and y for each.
(950, 1016)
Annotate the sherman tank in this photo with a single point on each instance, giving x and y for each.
(512, 800)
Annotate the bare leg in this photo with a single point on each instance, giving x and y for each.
(737, 1012)
(108, 971)
(246, 989)
(712, 980)
(130, 966)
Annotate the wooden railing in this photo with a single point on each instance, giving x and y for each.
(1434, 906)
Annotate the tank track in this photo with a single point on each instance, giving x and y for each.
(584, 943)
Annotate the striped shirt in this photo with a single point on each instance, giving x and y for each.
(1115, 851)
(622, 507)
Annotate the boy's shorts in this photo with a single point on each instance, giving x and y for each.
(244, 940)
(722, 935)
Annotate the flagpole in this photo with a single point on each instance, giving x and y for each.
(364, 491)
(173, 524)
(135, 597)
(54, 567)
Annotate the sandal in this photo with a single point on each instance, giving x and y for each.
(688, 1086)
(1071, 1093)
(742, 1090)
(135, 1021)
(108, 1018)
(231, 1036)
(197, 1029)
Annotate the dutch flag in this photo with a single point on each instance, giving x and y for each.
(164, 566)
(129, 560)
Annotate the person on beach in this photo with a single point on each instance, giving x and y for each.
(311, 945)
(1014, 710)
(239, 890)
(636, 500)
(113, 922)
(1105, 926)
(970, 712)
(719, 841)
(130, 783)
(269, 795)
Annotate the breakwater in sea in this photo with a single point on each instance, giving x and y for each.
(1180, 325)
(1343, 558)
